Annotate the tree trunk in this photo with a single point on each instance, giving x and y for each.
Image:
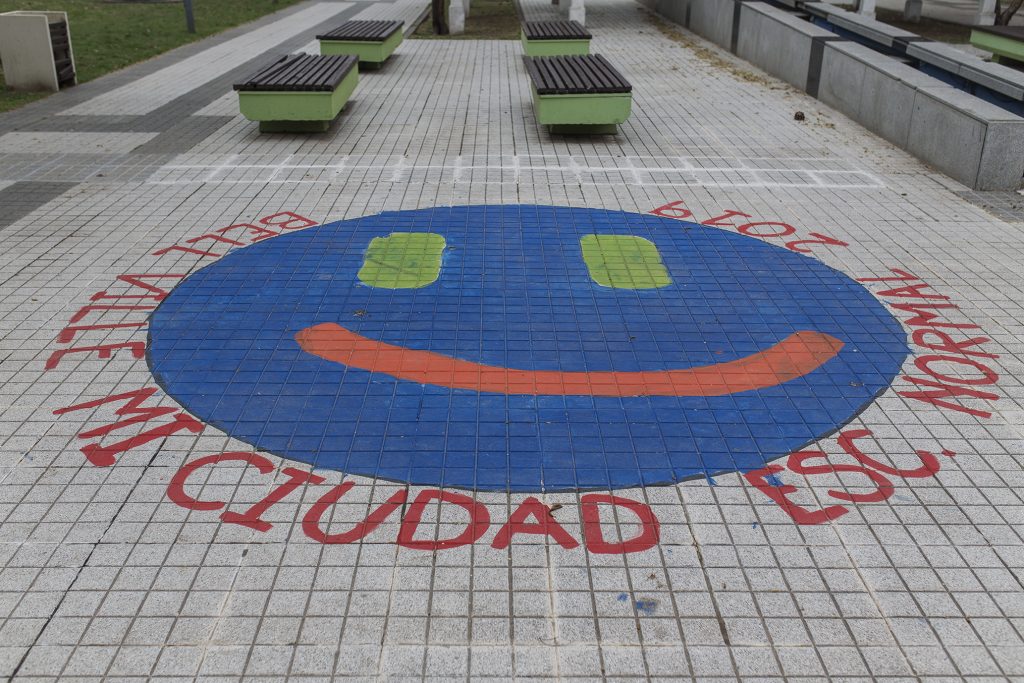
(440, 15)
(1003, 16)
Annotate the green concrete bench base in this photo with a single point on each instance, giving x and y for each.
(1004, 48)
(297, 112)
(592, 114)
(371, 54)
(551, 48)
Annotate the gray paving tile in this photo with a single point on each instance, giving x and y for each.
(104, 577)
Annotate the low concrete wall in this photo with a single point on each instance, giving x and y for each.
(871, 29)
(975, 142)
(972, 141)
(971, 68)
(997, 77)
(968, 139)
(783, 45)
(877, 93)
(714, 20)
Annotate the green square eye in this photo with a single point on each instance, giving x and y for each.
(624, 262)
(402, 260)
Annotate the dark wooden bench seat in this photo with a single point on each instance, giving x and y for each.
(371, 41)
(579, 94)
(362, 30)
(575, 75)
(549, 38)
(298, 93)
(555, 30)
(60, 41)
(299, 73)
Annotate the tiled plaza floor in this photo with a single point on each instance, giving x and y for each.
(726, 396)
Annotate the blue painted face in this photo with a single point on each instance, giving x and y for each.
(514, 292)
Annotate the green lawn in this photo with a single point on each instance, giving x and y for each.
(488, 20)
(107, 36)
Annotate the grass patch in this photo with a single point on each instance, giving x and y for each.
(488, 20)
(107, 36)
(12, 100)
(943, 31)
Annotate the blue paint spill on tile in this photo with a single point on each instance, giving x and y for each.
(773, 480)
(646, 607)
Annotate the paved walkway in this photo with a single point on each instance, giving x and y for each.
(729, 395)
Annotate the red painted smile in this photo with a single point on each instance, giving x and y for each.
(795, 356)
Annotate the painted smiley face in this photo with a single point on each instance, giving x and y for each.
(523, 348)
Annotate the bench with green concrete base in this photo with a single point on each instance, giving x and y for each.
(579, 94)
(551, 38)
(371, 41)
(1006, 43)
(298, 93)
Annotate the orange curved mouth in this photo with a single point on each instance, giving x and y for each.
(795, 356)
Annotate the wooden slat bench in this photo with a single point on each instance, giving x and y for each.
(371, 41)
(298, 93)
(1006, 43)
(62, 59)
(549, 38)
(579, 94)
